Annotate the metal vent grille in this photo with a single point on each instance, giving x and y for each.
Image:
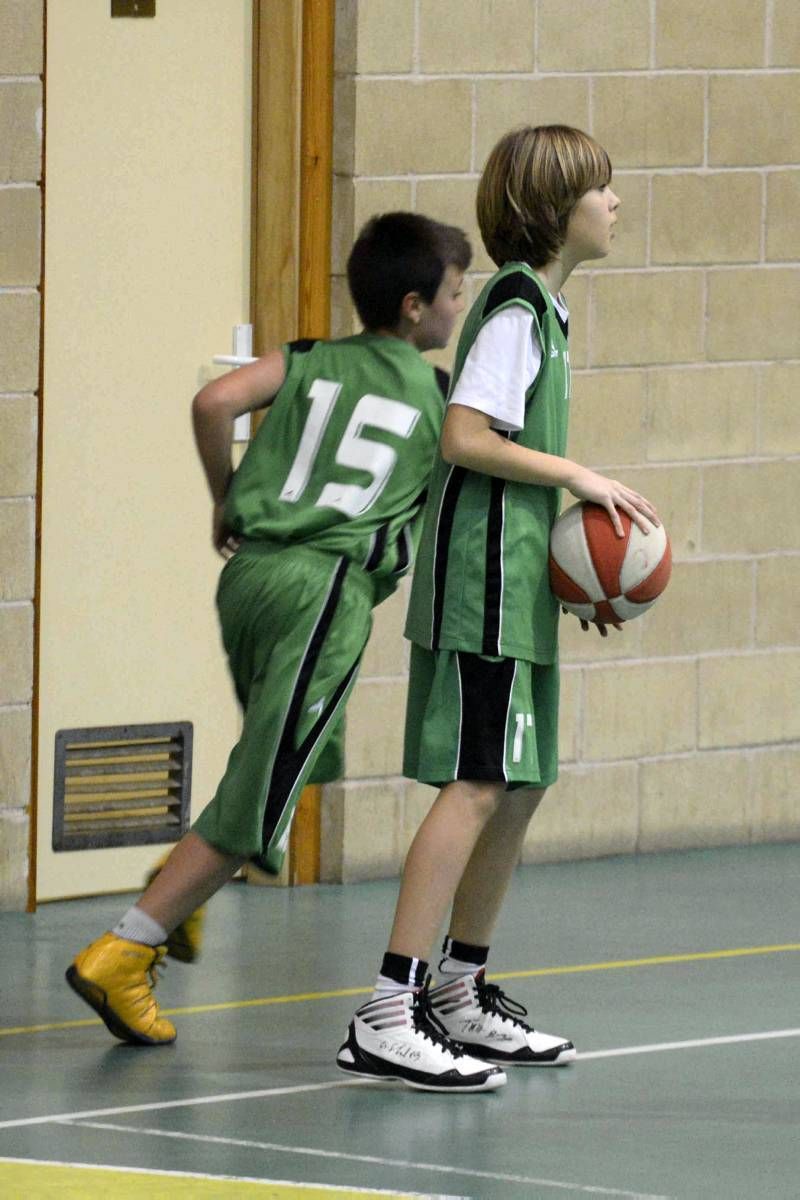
(124, 785)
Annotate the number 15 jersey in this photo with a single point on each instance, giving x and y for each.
(342, 459)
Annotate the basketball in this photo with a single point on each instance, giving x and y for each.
(600, 576)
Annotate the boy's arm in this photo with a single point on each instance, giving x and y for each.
(214, 410)
(468, 440)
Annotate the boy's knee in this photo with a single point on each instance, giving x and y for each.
(481, 798)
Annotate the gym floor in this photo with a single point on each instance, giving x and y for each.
(676, 975)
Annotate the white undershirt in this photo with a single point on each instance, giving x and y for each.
(502, 363)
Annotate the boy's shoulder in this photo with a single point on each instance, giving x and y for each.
(514, 283)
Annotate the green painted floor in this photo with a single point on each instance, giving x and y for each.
(716, 1120)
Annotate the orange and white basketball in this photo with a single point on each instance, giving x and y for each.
(602, 577)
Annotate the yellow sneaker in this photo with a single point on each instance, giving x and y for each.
(116, 978)
(186, 940)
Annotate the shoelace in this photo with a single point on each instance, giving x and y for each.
(428, 1024)
(156, 968)
(494, 1000)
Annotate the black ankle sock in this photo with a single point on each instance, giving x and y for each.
(409, 971)
(463, 952)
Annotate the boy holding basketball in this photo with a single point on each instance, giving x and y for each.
(482, 712)
(318, 522)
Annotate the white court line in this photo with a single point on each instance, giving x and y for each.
(223, 1097)
(372, 1159)
(717, 1041)
(190, 1103)
(293, 1183)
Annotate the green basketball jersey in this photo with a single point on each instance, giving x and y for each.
(481, 581)
(341, 460)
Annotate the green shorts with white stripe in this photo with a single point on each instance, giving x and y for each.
(470, 716)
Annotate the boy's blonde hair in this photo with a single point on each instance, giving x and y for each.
(532, 180)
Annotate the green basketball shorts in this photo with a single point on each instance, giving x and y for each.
(470, 716)
(295, 621)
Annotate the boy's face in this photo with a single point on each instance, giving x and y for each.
(591, 224)
(435, 325)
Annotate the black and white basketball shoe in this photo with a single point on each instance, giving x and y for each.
(489, 1024)
(398, 1037)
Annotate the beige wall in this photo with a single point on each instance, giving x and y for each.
(21, 51)
(685, 729)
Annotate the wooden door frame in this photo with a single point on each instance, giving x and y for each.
(290, 263)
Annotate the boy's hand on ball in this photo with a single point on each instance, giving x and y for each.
(613, 495)
(599, 626)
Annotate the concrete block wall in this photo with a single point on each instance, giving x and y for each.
(683, 730)
(21, 54)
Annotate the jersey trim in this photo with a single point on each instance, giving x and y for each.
(302, 345)
(515, 286)
(443, 380)
(444, 528)
(493, 578)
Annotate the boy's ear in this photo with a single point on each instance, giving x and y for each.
(411, 307)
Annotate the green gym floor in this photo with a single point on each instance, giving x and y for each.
(676, 975)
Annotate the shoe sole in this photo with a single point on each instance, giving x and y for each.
(562, 1060)
(96, 998)
(488, 1085)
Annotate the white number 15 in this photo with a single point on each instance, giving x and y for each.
(354, 450)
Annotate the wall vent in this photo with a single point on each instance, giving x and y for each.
(123, 785)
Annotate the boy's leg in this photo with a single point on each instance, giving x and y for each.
(194, 871)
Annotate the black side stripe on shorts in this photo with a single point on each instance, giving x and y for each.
(517, 286)
(403, 550)
(289, 762)
(493, 577)
(378, 546)
(482, 740)
(444, 528)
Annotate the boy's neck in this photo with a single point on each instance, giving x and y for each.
(554, 275)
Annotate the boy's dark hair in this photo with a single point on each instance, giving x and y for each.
(398, 253)
(532, 180)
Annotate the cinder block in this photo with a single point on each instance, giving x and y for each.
(375, 196)
(752, 119)
(453, 201)
(785, 34)
(345, 41)
(344, 124)
(779, 416)
(360, 825)
(15, 757)
(607, 418)
(707, 606)
(475, 37)
(777, 590)
(16, 549)
(375, 721)
(390, 118)
(750, 699)
(385, 37)
(576, 293)
(773, 810)
(594, 35)
(19, 341)
(344, 319)
(342, 223)
(686, 218)
(20, 236)
(417, 801)
(639, 709)
(14, 835)
(386, 649)
(588, 813)
(744, 507)
(675, 493)
(16, 653)
(20, 139)
(628, 326)
(702, 413)
(722, 33)
(21, 37)
(18, 420)
(783, 205)
(503, 104)
(629, 248)
(751, 314)
(629, 119)
(569, 715)
(696, 801)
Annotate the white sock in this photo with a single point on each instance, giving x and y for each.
(137, 926)
(384, 986)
